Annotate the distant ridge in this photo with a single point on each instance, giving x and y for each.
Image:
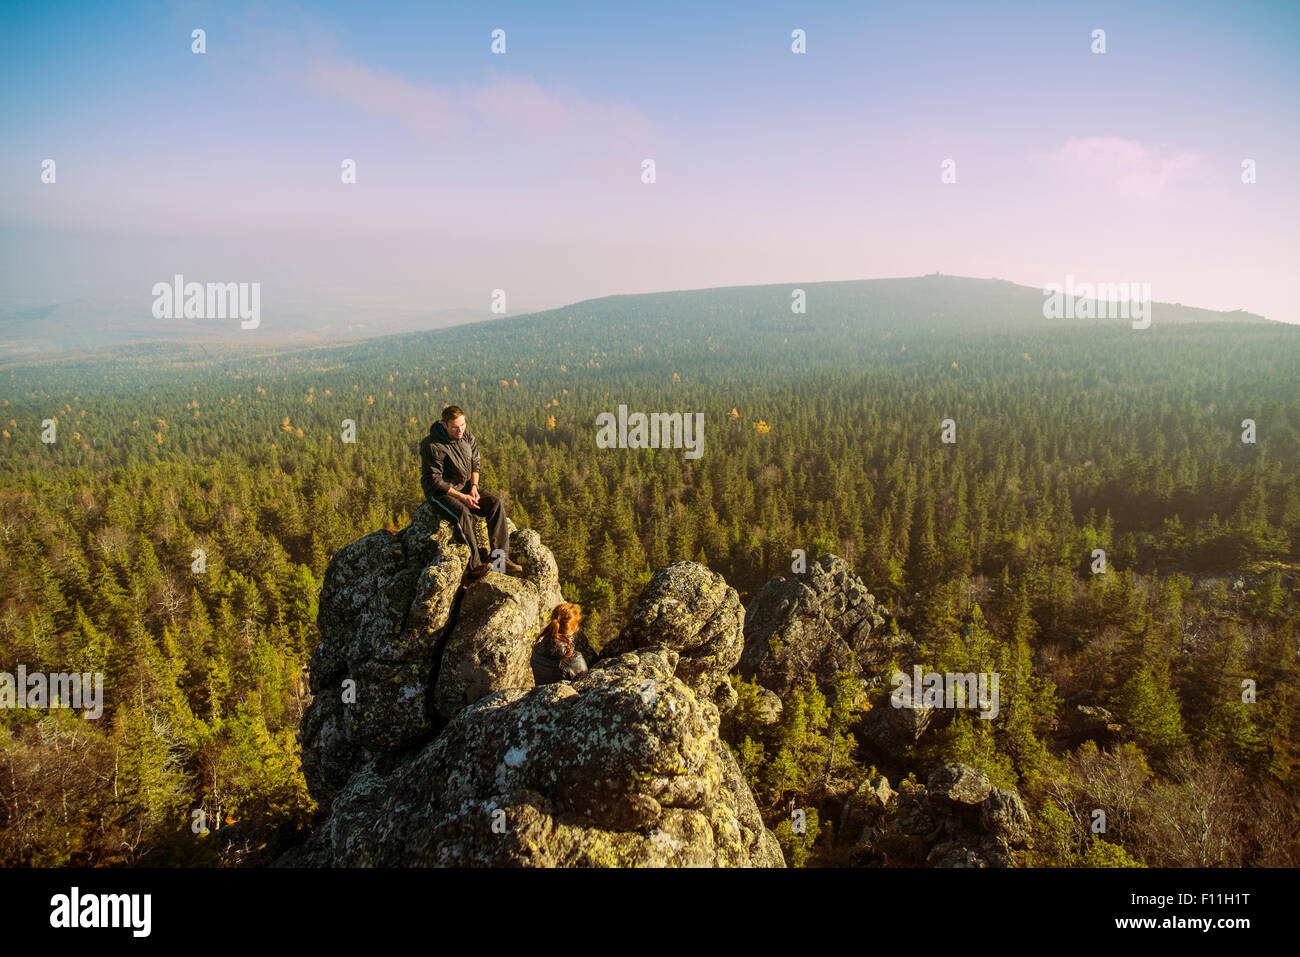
(33, 334)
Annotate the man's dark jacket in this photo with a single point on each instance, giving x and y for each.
(446, 463)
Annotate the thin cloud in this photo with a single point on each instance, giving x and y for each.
(518, 109)
(1124, 166)
(428, 110)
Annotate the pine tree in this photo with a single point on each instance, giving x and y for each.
(1149, 710)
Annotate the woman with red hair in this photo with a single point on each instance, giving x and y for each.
(555, 658)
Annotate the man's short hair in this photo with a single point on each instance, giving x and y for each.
(451, 413)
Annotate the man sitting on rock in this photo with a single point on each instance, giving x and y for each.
(449, 467)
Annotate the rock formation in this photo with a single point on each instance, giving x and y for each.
(385, 607)
(427, 744)
(484, 651)
(696, 613)
(957, 820)
(1087, 722)
(819, 623)
(447, 755)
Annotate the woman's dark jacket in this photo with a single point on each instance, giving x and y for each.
(549, 665)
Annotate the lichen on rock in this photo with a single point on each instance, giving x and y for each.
(621, 767)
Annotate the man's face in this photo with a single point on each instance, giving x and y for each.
(456, 427)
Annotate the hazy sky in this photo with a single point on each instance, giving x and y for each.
(522, 171)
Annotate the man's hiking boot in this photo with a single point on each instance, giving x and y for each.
(479, 571)
(513, 569)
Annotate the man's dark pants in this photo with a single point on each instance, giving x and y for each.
(489, 507)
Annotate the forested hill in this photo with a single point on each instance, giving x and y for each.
(944, 303)
(950, 303)
(1174, 449)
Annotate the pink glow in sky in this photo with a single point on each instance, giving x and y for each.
(523, 171)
